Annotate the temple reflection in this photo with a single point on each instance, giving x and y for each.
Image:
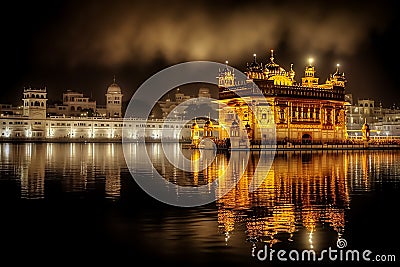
(301, 191)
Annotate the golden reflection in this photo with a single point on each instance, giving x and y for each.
(195, 167)
(301, 191)
(226, 222)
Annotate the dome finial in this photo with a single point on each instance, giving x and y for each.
(272, 55)
(114, 79)
(337, 67)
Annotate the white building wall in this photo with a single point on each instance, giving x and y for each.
(64, 128)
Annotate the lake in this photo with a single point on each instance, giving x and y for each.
(78, 203)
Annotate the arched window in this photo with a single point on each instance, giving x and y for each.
(72, 108)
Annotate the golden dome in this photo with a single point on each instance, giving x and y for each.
(208, 123)
(195, 125)
(272, 68)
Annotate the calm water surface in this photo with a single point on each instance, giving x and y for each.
(78, 203)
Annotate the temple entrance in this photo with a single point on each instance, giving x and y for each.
(306, 139)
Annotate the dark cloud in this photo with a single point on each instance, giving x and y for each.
(80, 45)
(125, 32)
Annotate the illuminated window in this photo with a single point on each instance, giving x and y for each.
(305, 113)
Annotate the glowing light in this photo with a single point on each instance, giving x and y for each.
(28, 133)
(310, 240)
(310, 61)
(227, 236)
(226, 62)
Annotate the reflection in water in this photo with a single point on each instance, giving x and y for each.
(32, 172)
(78, 167)
(304, 191)
(301, 192)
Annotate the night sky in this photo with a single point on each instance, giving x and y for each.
(81, 45)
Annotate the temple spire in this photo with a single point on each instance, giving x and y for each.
(272, 55)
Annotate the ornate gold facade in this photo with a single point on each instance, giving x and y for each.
(305, 112)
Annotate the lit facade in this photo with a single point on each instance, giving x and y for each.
(301, 112)
(383, 122)
(77, 104)
(177, 106)
(114, 101)
(36, 123)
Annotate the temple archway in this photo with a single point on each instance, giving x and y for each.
(306, 139)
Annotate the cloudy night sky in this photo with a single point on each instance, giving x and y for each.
(81, 45)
